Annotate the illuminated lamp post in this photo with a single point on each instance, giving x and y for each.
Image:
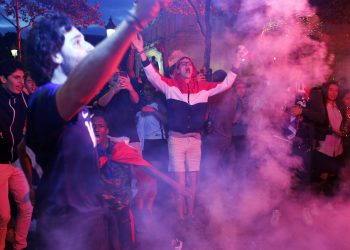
(110, 27)
(14, 52)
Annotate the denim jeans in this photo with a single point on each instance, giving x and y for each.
(13, 179)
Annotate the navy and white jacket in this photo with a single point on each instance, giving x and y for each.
(187, 102)
(13, 111)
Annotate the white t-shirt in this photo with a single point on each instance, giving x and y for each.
(148, 126)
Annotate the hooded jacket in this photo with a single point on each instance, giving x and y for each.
(13, 110)
(187, 102)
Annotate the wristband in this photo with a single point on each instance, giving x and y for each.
(235, 70)
(145, 63)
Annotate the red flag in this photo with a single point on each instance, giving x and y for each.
(122, 153)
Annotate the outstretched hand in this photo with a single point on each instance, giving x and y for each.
(138, 43)
(240, 56)
(241, 52)
(147, 10)
(124, 83)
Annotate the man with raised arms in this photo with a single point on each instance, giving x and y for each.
(187, 100)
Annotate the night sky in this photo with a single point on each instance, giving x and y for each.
(115, 8)
(118, 9)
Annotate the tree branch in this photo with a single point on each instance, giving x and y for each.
(26, 26)
(31, 21)
(198, 19)
(7, 19)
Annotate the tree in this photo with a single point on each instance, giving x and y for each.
(22, 13)
(201, 9)
(79, 11)
(17, 11)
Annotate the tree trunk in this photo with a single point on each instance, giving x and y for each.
(19, 31)
(19, 45)
(208, 31)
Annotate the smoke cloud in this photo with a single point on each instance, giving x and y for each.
(256, 207)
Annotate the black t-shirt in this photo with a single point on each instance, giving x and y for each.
(120, 114)
(67, 153)
(222, 109)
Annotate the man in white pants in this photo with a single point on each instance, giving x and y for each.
(187, 100)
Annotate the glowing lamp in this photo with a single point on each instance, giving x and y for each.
(110, 27)
(14, 52)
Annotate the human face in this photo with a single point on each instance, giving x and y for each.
(74, 49)
(332, 92)
(14, 82)
(185, 69)
(100, 129)
(30, 85)
(148, 92)
(346, 100)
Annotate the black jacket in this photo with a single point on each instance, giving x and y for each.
(315, 125)
(13, 110)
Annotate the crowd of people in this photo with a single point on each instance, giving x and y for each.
(96, 147)
(322, 136)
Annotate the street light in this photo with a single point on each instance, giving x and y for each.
(110, 27)
(14, 53)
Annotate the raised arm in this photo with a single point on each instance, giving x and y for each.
(240, 54)
(90, 75)
(125, 83)
(104, 100)
(158, 81)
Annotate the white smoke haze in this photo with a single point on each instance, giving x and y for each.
(256, 207)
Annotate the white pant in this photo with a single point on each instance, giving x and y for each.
(12, 178)
(184, 154)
